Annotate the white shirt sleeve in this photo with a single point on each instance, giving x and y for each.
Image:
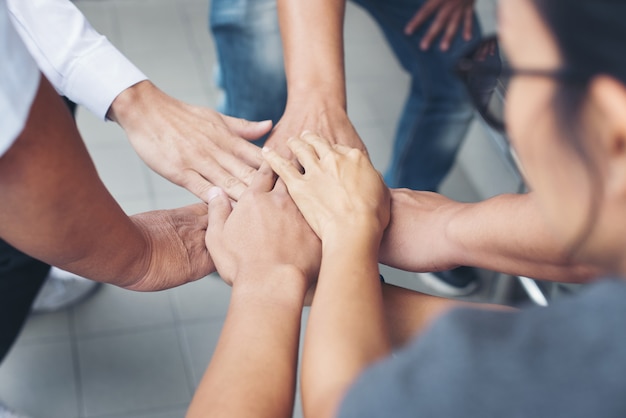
(19, 79)
(79, 62)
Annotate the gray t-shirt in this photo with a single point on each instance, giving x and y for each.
(567, 360)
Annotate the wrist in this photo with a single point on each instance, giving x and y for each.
(460, 238)
(277, 284)
(318, 95)
(127, 104)
(362, 237)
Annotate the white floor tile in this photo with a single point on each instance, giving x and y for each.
(48, 326)
(38, 379)
(206, 298)
(165, 413)
(201, 340)
(127, 373)
(121, 170)
(115, 310)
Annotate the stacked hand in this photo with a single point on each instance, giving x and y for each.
(174, 252)
(339, 186)
(264, 231)
(193, 147)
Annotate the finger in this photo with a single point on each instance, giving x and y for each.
(280, 187)
(468, 22)
(284, 168)
(452, 27)
(321, 145)
(434, 30)
(246, 152)
(304, 152)
(420, 17)
(198, 184)
(264, 179)
(218, 209)
(342, 149)
(246, 129)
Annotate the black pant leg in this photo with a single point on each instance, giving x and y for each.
(21, 277)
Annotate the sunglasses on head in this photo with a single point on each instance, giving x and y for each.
(486, 76)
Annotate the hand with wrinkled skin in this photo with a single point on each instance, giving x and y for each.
(175, 250)
(193, 147)
(449, 17)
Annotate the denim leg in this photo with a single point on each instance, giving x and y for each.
(437, 112)
(250, 58)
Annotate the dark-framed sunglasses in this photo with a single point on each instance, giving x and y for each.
(486, 75)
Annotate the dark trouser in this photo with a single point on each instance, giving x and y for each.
(21, 277)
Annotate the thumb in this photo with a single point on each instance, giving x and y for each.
(219, 209)
(246, 129)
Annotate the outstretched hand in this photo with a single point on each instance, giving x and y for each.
(193, 147)
(339, 185)
(449, 16)
(264, 231)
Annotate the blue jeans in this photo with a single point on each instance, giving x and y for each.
(435, 117)
(250, 55)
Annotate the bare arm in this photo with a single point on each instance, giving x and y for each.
(55, 208)
(312, 33)
(429, 232)
(253, 370)
(408, 313)
(346, 203)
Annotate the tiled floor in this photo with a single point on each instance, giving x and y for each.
(127, 354)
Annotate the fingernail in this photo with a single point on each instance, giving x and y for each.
(306, 133)
(266, 149)
(213, 193)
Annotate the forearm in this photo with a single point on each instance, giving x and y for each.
(503, 234)
(312, 34)
(408, 313)
(253, 370)
(54, 206)
(346, 329)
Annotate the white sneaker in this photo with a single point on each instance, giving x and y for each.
(61, 290)
(5, 412)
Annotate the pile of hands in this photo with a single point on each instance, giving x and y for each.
(293, 207)
(268, 210)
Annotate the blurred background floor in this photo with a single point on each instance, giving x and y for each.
(128, 354)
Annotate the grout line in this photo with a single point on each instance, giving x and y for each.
(157, 410)
(183, 343)
(76, 363)
(145, 328)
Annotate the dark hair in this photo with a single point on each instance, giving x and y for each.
(591, 38)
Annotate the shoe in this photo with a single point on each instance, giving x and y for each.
(61, 290)
(5, 412)
(461, 281)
